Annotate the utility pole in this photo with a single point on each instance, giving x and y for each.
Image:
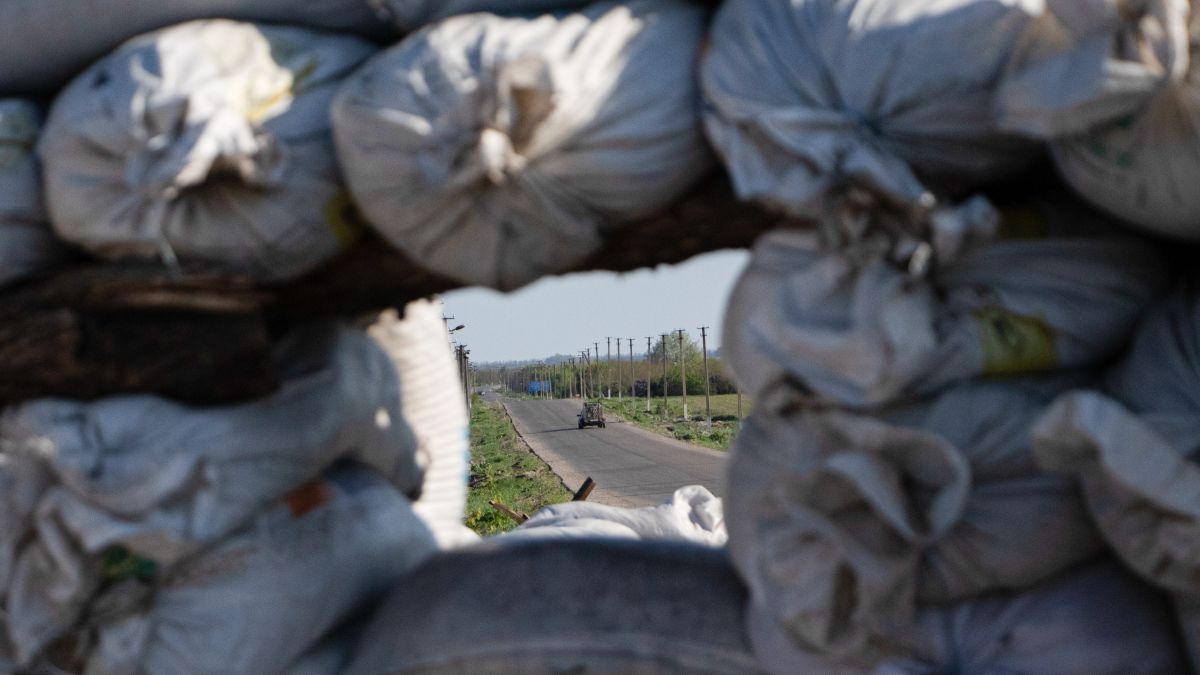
(683, 375)
(579, 372)
(608, 368)
(463, 364)
(632, 376)
(666, 401)
(597, 391)
(618, 369)
(704, 347)
(648, 339)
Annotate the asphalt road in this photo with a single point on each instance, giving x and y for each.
(631, 466)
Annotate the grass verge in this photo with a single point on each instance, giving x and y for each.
(505, 470)
(724, 411)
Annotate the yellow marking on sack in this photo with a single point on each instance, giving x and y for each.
(343, 219)
(1013, 343)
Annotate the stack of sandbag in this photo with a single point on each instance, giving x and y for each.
(498, 150)
(807, 98)
(1134, 450)
(843, 524)
(43, 43)
(206, 142)
(888, 485)
(691, 514)
(121, 535)
(27, 245)
(1040, 284)
(1111, 85)
(426, 369)
(1098, 619)
(257, 601)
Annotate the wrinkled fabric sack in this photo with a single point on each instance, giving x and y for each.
(163, 480)
(804, 97)
(432, 406)
(841, 524)
(43, 43)
(27, 244)
(262, 598)
(1095, 620)
(1136, 452)
(497, 150)
(1119, 99)
(692, 514)
(206, 142)
(408, 15)
(1040, 285)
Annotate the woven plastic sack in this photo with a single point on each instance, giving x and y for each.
(841, 524)
(497, 150)
(1136, 452)
(206, 142)
(692, 514)
(262, 598)
(43, 43)
(432, 406)
(408, 15)
(1097, 619)
(163, 480)
(27, 244)
(578, 606)
(1040, 285)
(806, 96)
(1121, 101)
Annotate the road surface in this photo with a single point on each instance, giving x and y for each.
(631, 466)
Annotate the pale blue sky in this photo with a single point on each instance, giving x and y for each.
(563, 315)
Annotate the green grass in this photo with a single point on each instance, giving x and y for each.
(505, 470)
(724, 412)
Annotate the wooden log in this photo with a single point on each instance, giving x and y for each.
(514, 515)
(584, 490)
(93, 331)
(202, 336)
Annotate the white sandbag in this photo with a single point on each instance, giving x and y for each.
(1044, 284)
(261, 599)
(26, 242)
(1137, 458)
(692, 514)
(555, 607)
(1097, 620)
(840, 523)
(807, 96)
(207, 142)
(163, 480)
(497, 150)
(43, 43)
(432, 405)
(410, 15)
(1121, 103)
